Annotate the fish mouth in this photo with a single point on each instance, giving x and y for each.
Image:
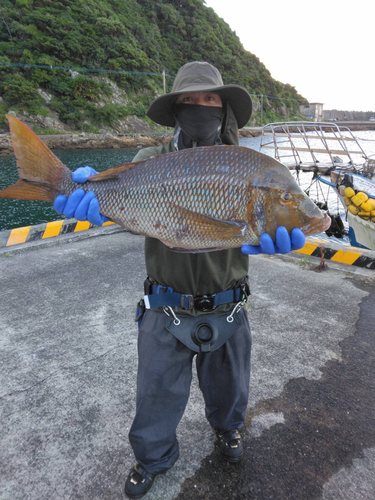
(317, 225)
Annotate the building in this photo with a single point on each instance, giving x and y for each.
(313, 110)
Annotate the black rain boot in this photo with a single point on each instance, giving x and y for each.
(230, 445)
(139, 482)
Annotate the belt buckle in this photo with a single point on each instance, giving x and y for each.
(247, 288)
(187, 301)
(204, 303)
(244, 288)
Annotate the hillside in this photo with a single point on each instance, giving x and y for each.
(123, 36)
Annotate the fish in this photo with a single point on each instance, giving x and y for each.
(194, 200)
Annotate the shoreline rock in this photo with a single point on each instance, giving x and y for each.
(101, 141)
(90, 141)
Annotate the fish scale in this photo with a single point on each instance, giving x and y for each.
(198, 199)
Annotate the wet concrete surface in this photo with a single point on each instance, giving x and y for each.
(326, 425)
(68, 369)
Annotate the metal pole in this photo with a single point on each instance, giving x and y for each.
(261, 109)
(164, 81)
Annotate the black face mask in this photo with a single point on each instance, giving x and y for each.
(200, 125)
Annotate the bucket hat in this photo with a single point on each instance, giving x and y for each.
(200, 77)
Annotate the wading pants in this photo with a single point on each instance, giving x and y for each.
(163, 386)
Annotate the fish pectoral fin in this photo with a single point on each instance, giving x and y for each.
(227, 229)
(218, 228)
(112, 173)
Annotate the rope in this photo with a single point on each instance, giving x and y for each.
(81, 70)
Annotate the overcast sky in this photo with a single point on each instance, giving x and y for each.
(323, 48)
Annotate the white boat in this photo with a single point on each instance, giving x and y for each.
(335, 157)
(361, 231)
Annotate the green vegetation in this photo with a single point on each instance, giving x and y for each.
(145, 36)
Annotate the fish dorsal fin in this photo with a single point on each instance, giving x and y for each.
(112, 173)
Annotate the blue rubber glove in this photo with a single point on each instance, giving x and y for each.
(80, 205)
(284, 242)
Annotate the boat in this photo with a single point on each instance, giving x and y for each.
(361, 227)
(336, 159)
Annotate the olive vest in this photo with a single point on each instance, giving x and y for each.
(202, 273)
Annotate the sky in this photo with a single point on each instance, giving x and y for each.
(323, 48)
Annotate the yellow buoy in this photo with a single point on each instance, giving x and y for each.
(366, 206)
(363, 196)
(353, 209)
(364, 215)
(356, 200)
(349, 192)
(347, 201)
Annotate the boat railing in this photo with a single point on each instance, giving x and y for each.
(369, 168)
(314, 145)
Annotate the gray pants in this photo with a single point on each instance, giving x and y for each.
(163, 387)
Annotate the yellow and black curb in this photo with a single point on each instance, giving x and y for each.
(352, 256)
(45, 231)
(336, 253)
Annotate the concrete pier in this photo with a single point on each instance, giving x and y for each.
(68, 372)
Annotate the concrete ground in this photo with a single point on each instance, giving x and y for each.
(68, 369)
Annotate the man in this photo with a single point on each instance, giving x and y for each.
(207, 321)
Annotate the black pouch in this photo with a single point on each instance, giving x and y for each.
(141, 308)
(204, 333)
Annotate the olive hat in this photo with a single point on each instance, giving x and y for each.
(200, 77)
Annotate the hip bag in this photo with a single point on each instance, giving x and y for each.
(204, 333)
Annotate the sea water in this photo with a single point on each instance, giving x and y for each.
(20, 213)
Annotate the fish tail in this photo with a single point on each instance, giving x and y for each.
(41, 172)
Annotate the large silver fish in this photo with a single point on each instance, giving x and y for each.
(198, 199)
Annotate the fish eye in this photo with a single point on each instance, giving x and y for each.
(286, 197)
